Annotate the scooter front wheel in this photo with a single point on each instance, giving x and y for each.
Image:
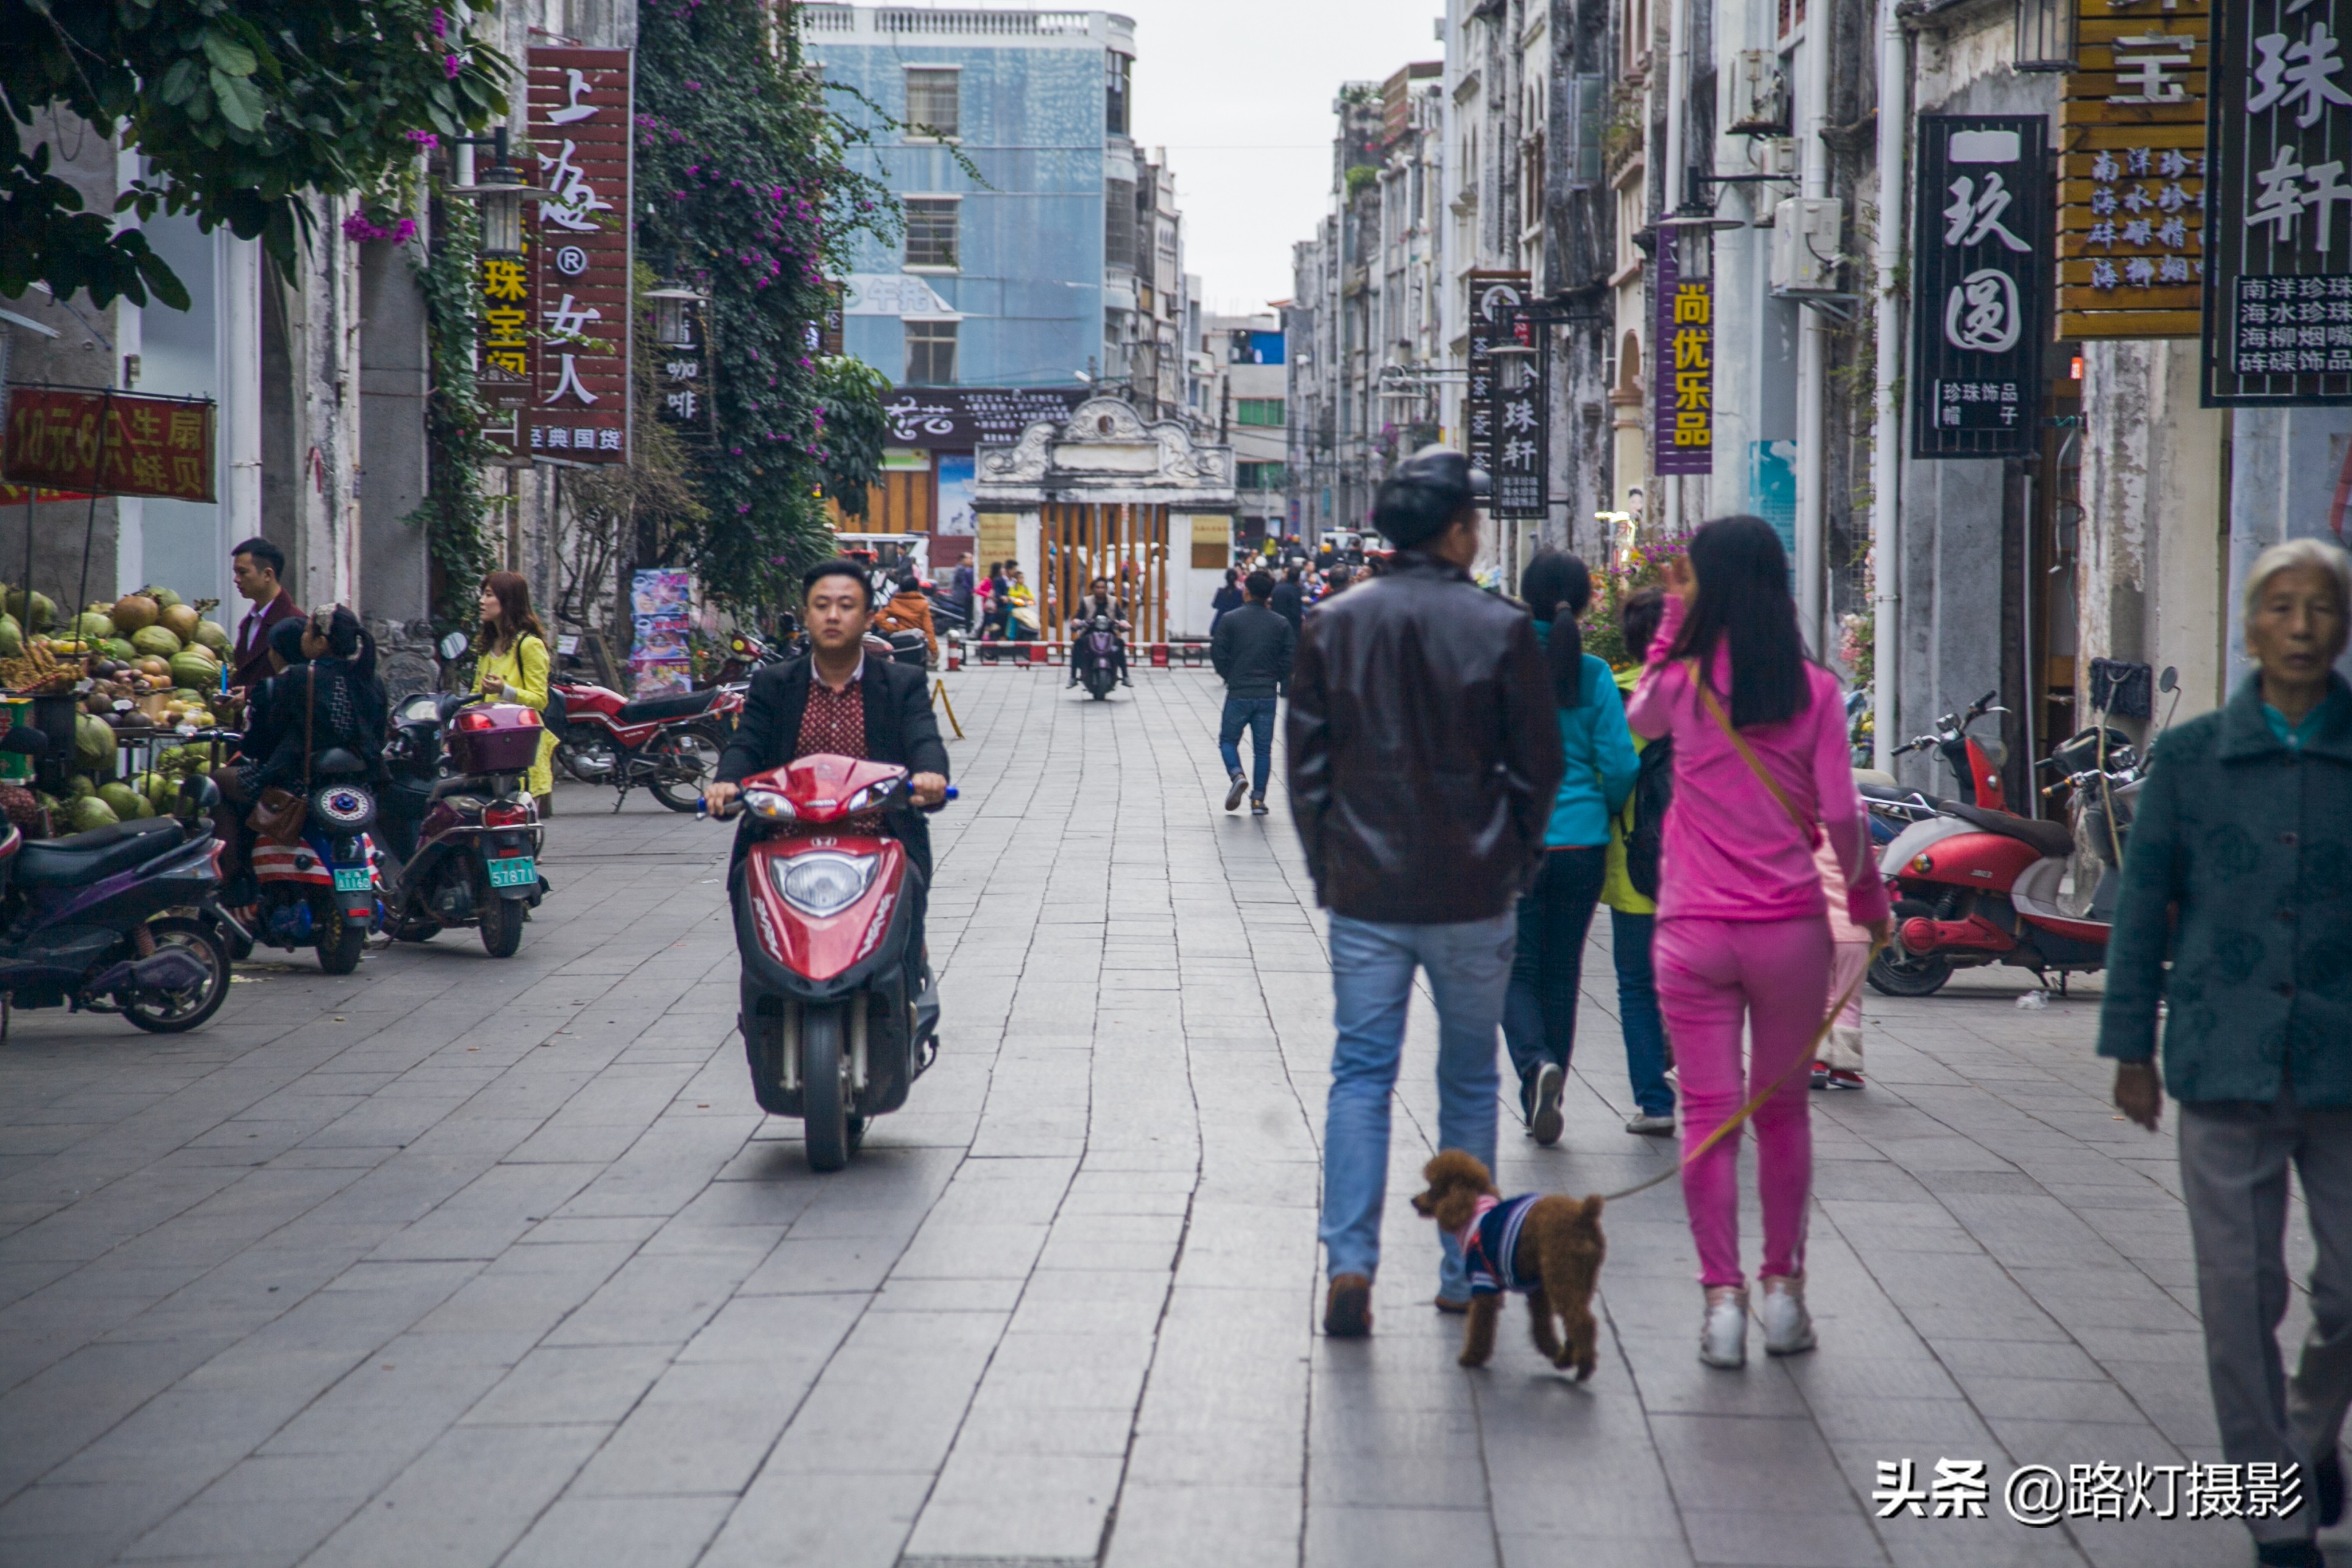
(177, 1013)
(824, 1097)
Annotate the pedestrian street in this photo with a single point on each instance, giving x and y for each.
(308, 1286)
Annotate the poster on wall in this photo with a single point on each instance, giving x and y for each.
(580, 109)
(959, 512)
(1982, 204)
(661, 607)
(2278, 270)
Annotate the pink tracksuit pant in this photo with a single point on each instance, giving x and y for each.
(1712, 976)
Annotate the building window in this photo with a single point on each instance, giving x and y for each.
(1258, 411)
(933, 101)
(1121, 78)
(1259, 476)
(930, 353)
(1118, 224)
(931, 231)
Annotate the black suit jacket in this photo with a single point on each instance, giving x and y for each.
(899, 728)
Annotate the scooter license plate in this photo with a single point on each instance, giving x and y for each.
(514, 871)
(353, 880)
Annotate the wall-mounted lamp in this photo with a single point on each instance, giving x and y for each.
(673, 315)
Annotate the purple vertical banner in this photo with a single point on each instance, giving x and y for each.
(1682, 370)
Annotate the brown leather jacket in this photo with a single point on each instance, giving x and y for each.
(1424, 748)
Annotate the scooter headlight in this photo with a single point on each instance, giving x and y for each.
(824, 884)
(768, 803)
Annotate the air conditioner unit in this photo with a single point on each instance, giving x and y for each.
(1760, 95)
(1779, 156)
(1806, 232)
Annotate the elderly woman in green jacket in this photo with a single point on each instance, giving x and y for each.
(2239, 874)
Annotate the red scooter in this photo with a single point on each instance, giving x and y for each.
(836, 1025)
(669, 744)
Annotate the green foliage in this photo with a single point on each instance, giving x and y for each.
(455, 514)
(742, 187)
(241, 108)
(1359, 177)
(849, 411)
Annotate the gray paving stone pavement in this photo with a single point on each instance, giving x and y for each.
(312, 1287)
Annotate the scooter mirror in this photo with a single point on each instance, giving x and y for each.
(2169, 680)
(453, 647)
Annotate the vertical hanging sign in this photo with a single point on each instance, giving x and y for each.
(1493, 297)
(2278, 274)
(1983, 204)
(1683, 412)
(579, 127)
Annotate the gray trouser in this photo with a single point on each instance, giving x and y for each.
(2233, 1173)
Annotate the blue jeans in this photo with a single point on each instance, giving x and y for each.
(1257, 712)
(1469, 967)
(1637, 1013)
(1555, 916)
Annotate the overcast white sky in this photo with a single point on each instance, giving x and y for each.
(1239, 91)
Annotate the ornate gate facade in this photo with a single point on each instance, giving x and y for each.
(1125, 543)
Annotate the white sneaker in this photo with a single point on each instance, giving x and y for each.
(1239, 788)
(1650, 1126)
(1788, 1327)
(1723, 1338)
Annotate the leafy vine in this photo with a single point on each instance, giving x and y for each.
(454, 513)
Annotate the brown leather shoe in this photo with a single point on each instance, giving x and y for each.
(1447, 1304)
(1347, 1311)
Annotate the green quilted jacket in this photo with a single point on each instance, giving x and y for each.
(2252, 842)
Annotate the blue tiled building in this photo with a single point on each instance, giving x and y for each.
(1031, 278)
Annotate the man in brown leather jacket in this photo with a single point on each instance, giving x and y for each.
(1425, 752)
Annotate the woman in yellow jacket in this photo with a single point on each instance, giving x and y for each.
(511, 662)
(1632, 917)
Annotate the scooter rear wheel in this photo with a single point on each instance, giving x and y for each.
(1899, 972)
(341, 943)
(824, 1096)
(501, 924)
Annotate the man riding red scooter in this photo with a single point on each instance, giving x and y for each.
(835, 757)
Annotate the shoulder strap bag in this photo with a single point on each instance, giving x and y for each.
(278, 814)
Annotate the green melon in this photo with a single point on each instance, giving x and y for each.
(43, 612)
(211, 635)
(116, 649)
(126, 803)
(90, 811)
(196, 668)
(164, 598)
(11, 638)
(156, 640)
(92, 625)
(93, 741)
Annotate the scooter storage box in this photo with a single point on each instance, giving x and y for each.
(502, 738)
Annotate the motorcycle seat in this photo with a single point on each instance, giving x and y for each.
(86, 857)
(645, 709)
(2046, 838)
(1882, 792)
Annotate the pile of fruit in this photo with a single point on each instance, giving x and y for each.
(150, 657)
(87, 803)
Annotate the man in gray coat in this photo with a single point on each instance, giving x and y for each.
(1251, 648)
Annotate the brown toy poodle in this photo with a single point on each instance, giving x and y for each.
(1547, 1247)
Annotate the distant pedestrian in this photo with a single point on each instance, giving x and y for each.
(1252, 651)
(2234, 874)
(1556, 915)
(960, 591)
(1228, 599)
(1761, 770)
(1290, 597)
(1632, 914)
(1423, 757)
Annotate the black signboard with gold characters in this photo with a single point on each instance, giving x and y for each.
(1983, 206)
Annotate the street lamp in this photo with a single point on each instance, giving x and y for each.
(2045, 36)
(500, 193)
(673, 314)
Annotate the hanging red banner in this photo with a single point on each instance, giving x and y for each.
(109, 443)
(579, 129)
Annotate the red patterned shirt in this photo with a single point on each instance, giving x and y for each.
(834, 722)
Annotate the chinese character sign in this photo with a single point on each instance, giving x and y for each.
(1976, 308)
(682, 377)
(109, 443)
(1682, 410)
(580, 108)
(1519, 441)
(1493, 297)
(2131, 203)
(505, 345)
(2278, 285)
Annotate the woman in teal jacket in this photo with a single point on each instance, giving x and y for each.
(2237, 874)
(1539, 1012)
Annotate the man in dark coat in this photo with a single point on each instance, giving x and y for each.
(840, 702)
(1252, 647)
(1289, 600)
(256, 565)
(1425, 752)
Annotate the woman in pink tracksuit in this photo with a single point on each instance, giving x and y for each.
(1742, 933)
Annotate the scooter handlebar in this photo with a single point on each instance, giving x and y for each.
(734, 807)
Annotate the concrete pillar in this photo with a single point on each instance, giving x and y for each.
(394, 378)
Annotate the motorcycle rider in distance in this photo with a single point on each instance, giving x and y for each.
(909, 610)
(1098, 602)
(837, 701)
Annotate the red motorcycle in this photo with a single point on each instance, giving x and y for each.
(835, 1024)
(669, 744)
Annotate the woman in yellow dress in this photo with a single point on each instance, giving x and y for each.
(511, 661)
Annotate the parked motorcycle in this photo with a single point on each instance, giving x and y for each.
(86, 920)
(321, 890)
(835, 1025)
(669, 745)
(1976, 764)
(1892, 807)
(1098, 656)
(461, 829)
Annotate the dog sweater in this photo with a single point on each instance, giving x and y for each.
(1490, 1244)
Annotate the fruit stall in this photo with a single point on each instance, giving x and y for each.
(115, 689)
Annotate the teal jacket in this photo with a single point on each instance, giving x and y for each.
(2251, 841)
(1601, 761)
